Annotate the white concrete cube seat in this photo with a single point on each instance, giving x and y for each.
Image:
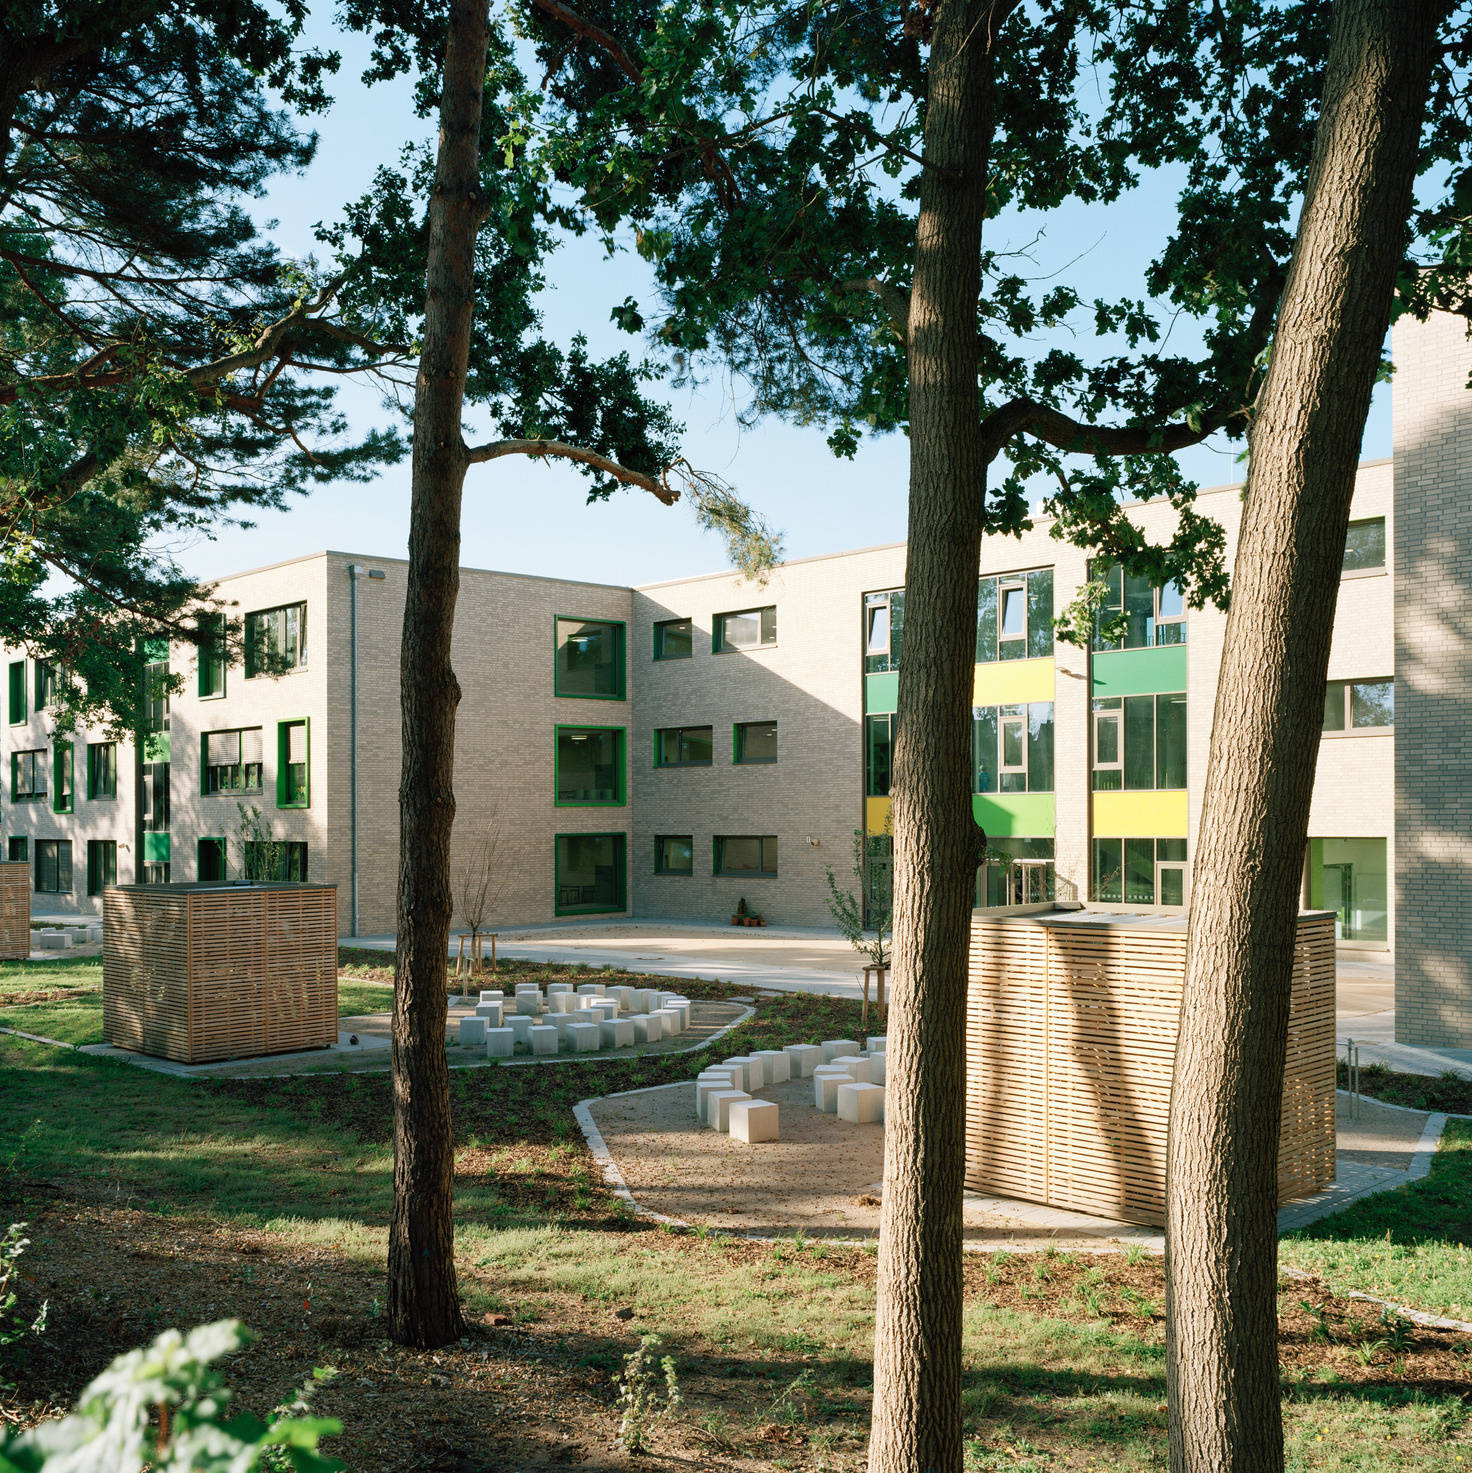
(776, 1066)
(837, 1048)
(859, 1065)
(646, 1030)
(492, 1010)
(589, 989)
(643, 1000)
(703, 1087)
(562, 1003)
(752, 1121)
(875, 1043)
(521, 1028)
(500, 1043)
(583, 1038)
(860, 1103)
(473, 1032)
(560, 1023)
(603, 1010)
(616, 1033)
(681, 1010)
(528, 987)
(877, 1068)
(529, 1004)
(491, 994)
(718, 1107)
(559, 989)
(543, 1038)
(826, 1082)
(53, 940)
(743, 1063)
(803, 1058)
(624, 997)
(673, 1022)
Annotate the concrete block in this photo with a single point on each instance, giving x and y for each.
(492, 1012)
(860, 1103)
(583, 1038)
(752, 1121)
(616, 1033)
(560, 1023)
(804, 1058)
(500, 1043)
(877, 1069)
(718, 1107)
(875, 1043)
(543, 1039)
(838, 1048)
(560, 989)
(521, 1029)
(859, 1066)
(53, 940)
(743, 1063)
(529, 1004)
(562, 1003)
(704, 1085)
(590, 989)
(672, 1021)
(604, 1009)
(491, 994)
(472, 1032)
(646, 1031)
(776, 1066)
(826, 1086)
(624, 997)
(94, 933)
(644, 1000)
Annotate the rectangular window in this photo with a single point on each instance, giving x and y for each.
(212, 866)
(102, 769)
(1139, 742)
(18, 848)
(155, 873)
(1153, 616)
(590, 764)
(1359, 705)
(210, 656)
(275, 640)
(274, 861)
(674, 639)
(18, 712)
(156, 695)
(1140, 871)
(590, 874)
(230, 761)
(878, 741)
(54, 866)
(62, 777)
(1364, 546)
(1170, 741)
(153, 800)
(674, 854)
(746, 857)
(45, 683)
(1016, 872)
(293, 780)
(27, 775)
(1014, 616)
(884, 629)
(746, 629)
(684, 746)
(589, 659)
(102, 865)
(1012, 748)
(755, 741)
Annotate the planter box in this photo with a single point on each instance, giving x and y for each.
(200, 973)
(15, 910)
(1071, 1025)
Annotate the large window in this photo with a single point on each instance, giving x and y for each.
(211, 656)
(590, 875)
(102, 769)
(674, 854)
(275, 640)
(231, 761)
(590, 764)
(63, 772)
(156, 694)
(1016, 872)
(54, 866)
(153, 800)
(1139, 742)
(46, 685)
(590, 659)
(683, 746)
(1153, 616)
(18, 710)
(1364, 546)
(293, 770)
(1351, 877)
(878, 752)
(674, 639)
(1014, 616)
(212, 861)
(755, 741)
(274, 861)
(1359, 705)
(746, 629)
(1140, 871)
(27, 775)
(1012, 748)
(102, 865)
(884, 629)
(743, 856)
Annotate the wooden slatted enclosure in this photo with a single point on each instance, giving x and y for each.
(15, 910)
(200, 973)
(1071, 1026)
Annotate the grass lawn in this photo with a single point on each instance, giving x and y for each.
(154, 1201)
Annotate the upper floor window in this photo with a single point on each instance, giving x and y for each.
(1364, 546)
(884, 628)
(156, 695)
(47, 685)
(746, 629)
(232, 761)
(590, 764)
(18, 710)
(1014, 616)
(590, 659)
(27, 775)
(62, 761)
(1359, 705)
(683, 746)
(878, 750)
(1012, 748)
(293, 781)
(275, 640)
(102, 770)
(153, 802)
(674, 639)
(1139, 742)
(211, 656)
(755, 741)
(1153, 616)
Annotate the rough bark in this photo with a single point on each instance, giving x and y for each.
(1221, 1236)
(423, 1298)
(917, 1342)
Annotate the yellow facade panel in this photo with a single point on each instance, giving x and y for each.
(876, 814)
(1013, 682)
(1148, 815)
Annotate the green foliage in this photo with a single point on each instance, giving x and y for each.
(262, 856)
(648, 1392)
(166, 1409)
(13, 1325)
(856, 913)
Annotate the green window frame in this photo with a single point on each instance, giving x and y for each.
(1140, 743)
(231, 761)
(590, 874)
(19, 713)
(884, 628)
(102, 865)
(102, 770)
(210, 657)
(674, 854)
(63, 777)
(53, 867)
(589, 658)
(745, 856)
(1364, 546)
(18, 849)
(45, 684)
(212, 863)
(1014, 616)
(674, 639)
(28, 775)
(684, 746)
(276, 640)
(566, 764)
(754, 743)
(744, 629)
(275, 861)
(293, 764)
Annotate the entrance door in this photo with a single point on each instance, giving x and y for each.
(1339, 897)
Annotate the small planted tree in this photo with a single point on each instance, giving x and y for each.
(262, 857)
(863, 915)
(476, 888)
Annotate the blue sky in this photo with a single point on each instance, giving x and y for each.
(532, 518)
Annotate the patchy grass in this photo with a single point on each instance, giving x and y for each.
(1445, 1092)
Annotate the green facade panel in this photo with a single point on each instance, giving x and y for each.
(156, 746)
(156, 848)
(882, 692)
(1139, 672)
(1014, 815)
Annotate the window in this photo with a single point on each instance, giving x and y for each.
(231, 761)
(153, 801)
(54, 866)
(156, 694)
(1014, 616)
(102, 865)
(590, 659)
(1153, 616)
(674, 639)
(590, 764)
(156, 873)
(275, 640)
(674, 854)
(1012, 748)
(589, 873)
(1352, 878)
(293, 782)
(1359, 705)
(102, 769)
(746, 629)
(683, 746)
(878, 749)
(18, 711)
(746, 857)
(1140, 871)
(1016, 872)
(212, 865)
(46, 684)
(27, 775)
(1139, 742)
(210, 656)
(19, 849)
(1364, 546)
(755, 741)
(274, 861)
(62, 775)
(884, 628)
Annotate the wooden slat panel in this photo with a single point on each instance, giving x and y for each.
(15, 910)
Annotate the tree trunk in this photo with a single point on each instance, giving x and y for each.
(917, 1338)
(1221, 1237)
(423, 1298)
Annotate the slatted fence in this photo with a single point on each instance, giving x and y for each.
(15, 910)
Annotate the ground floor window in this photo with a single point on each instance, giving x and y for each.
(54, 866)
(1351, 877)
(155, 874)
(674, 854)
(1017, 871)
(590, 873)
(271, 861)
(744, 856)
(1140, 871)
(211, 860)
(19, 848)
(102, 865)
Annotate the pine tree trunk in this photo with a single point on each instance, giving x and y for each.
(1221, 1259)
(423, 1297)
(917, 1338)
